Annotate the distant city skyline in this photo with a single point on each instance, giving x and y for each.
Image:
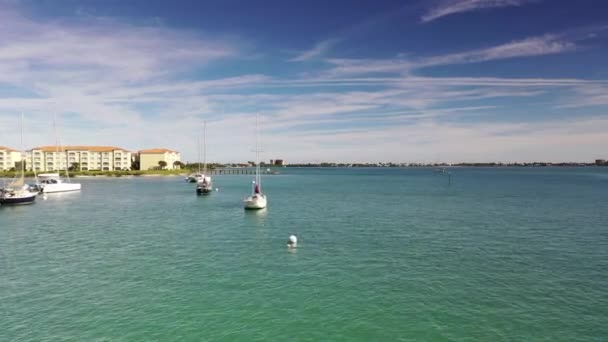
(342, 81)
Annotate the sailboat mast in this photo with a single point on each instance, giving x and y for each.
(205, 147)
(198, 145)
(257, 152)
(22, 151)
(56, 142)
(58, 148)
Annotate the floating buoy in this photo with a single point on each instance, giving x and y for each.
(292, 242)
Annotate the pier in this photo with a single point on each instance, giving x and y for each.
(239, 171)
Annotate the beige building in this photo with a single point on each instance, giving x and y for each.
(104, 158)
(8, 158)
(148, 159)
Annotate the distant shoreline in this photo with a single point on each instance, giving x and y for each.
(106, 174)
(185, 173)
(522, 165)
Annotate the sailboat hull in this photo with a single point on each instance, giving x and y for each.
(24, 199)
(60, 187)
(204, 189)
(255, 202)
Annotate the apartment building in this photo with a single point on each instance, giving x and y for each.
(149, 159)
(8, 158)
(103, 158)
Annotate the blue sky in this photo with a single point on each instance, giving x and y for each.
(404, 81)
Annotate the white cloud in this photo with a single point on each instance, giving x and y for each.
(587, 95)
(449, 7)
(368, 66)
(99, 71)
(319, 49)
(140, 86)
(533, 46)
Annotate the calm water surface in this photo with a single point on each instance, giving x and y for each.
(384, 255)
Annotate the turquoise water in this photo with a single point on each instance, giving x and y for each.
(384, 255)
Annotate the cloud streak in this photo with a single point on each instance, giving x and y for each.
(533, 46)
(450, 7)
(319, 49)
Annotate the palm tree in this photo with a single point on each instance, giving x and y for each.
(177, 164)
(162, 164)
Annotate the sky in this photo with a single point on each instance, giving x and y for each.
(341, 80)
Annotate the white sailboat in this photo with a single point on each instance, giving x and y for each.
(17, 192)
(197, 176)
(52, 182)
(204, 185)
(258, 199)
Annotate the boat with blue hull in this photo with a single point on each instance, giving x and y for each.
(15, 197)
(17, 192)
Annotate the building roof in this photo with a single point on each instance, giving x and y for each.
(8, 149)
(157, 150)
(79, 148)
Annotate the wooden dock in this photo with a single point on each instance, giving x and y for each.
(239, 171)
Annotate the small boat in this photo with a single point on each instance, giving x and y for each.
(194, 178)
(204, 185)
(257, 200)
(52, 182)
(17, 195)
(17, 192)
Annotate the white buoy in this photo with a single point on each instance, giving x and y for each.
(293, 241)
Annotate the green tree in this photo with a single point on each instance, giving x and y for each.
(74, 167)
(178, 164)
(162, 164)
(18, 165)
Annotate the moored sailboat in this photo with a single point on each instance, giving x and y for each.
(204, 185)
(257, 199)
(18, 192)
(52, 182)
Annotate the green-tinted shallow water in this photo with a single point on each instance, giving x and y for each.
(385, 255)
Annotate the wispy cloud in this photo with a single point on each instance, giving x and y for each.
(84, 68)
(593, 95)
(147, 85)
(449, 7)
(533, 46)
(319, 49)
(368, 66)
(528, 47)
